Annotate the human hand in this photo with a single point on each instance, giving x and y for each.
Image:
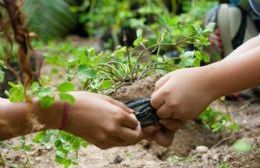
(103, 121)
(182, 95)
(160, 134)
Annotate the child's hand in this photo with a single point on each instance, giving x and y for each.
(103, 121)
(163, 135)
(181, 95)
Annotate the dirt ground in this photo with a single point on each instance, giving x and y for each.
(193, 147)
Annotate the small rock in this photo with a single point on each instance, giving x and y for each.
(201, 149)
(37, 159)
(118, 159)
(227, 158)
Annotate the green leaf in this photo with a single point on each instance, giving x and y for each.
(66, 87)
(85, 72)
(106, 84)
(47, 101)
(46, 91)
(39, 137)
(65, 97)
(139, 33)
(35, 87)
(16, 93)
(242, 146)
(2, 75)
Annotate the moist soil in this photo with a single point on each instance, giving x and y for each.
(194, 146)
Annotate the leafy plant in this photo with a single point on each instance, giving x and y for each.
(66, 145)
(218, 121)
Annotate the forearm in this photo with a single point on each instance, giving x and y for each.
(14, 117)
(238, 72)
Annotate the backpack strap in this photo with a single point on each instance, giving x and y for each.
(236, 26)
(239, 37)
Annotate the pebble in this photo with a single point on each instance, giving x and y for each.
(201, 149)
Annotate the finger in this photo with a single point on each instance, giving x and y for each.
(157, 99)
(164, 112)
(130, 136)
(162, 81)
(164, 137)
(118, 103)
(172, 125)
(111, 142)
(149, 130)
(149, 138)
(129, 121)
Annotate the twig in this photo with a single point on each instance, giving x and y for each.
(223, 140)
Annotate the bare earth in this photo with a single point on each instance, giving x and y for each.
(193, 147)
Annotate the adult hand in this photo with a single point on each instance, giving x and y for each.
(103, 121)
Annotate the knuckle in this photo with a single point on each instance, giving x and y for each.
(111, 129)
(119, 115)
(173, 103)
(102, 137)
(166, 92)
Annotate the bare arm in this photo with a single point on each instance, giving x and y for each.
(98, 119)
(14, 120)
(239, 71)
(185, 93)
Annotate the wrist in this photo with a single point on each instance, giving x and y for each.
(51, 117)
(216, 80)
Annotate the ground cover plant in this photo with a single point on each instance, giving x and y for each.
(161, 39)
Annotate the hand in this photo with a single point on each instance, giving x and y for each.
(163, 133)
(159, 134)
(103, 121)
(182, 95)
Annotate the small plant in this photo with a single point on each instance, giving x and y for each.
(218, 121)
(66, 145)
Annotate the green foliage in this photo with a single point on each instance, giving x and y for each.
(49, 19)
(2, 74)
(242, 146)
(149, 15)
(218, 121)
(16, 92)
(67, 145)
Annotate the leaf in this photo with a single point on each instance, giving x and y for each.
(47, 101)
(139, 33)
(46, 91)
(2, 75)
(65, 97)
(39, 137)
(54, 16)
(85, 72)
(106, 84)
(16, 93)
(35, 87)
(242, 146)
(66, 87)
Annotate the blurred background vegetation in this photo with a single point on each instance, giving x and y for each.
(107, 20)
